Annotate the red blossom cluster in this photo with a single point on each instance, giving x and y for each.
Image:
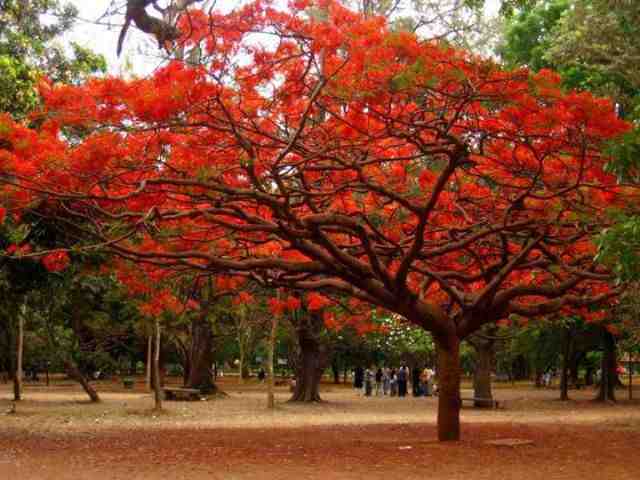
(56, 261)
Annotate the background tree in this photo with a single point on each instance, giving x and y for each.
(30, 48)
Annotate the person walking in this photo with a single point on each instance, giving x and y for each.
(358, 378)
(425, 378)
(368, 381)
(379, 381)
(402, 381)
(393, 382)
(386, 380)
(416, 388)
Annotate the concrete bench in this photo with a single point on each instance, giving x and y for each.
(178, 393)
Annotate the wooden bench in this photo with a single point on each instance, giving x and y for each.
(179, 393)
(485, 401)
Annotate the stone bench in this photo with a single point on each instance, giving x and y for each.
(179, 393)
(488, 402)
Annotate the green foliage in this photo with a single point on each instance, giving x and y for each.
(529, 34)
(619, 247)
(539, 345)
(400, 341)
(29, 30)
(591, 43)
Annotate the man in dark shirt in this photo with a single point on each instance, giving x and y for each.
(402, 381)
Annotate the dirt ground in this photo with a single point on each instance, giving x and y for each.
(56, 434)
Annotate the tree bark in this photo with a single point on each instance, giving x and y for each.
(271, 401)
(630, 372)
(575, 360)
(201, 356)
(588, 376)
(241, 365)
(310, 363)
(448, 373)
(74, 372)
(245, 334)
(17, 380)
(336, 372)
(482, 373)
(609, 377)
(149, 362)
(564, 373)
(157, 389)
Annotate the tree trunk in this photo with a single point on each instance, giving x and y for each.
(448, 389)
(310, 365)
(609, 377)
(201, 356)
(12, 343)
(574, 368)
(17, 380)
(482, 373)
(630, 372)
(245, 343)
(336, 372)
(271, 401)
(241, 366)
(564, 373)
(74, 372)
(157, 389)
(149, 362)
(588, 376)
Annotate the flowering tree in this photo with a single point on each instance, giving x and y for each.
(331, 155)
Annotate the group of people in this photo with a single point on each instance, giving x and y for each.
(389, 381)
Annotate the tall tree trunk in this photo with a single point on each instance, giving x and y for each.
(17, 381)
(310, 362)
(12, 343)
(630, 372)
(609, 377)
(245, 329)
(201, 356)
(564, 373)
(482, 373)
(271, 401)
(588, 376)
(149, 362)
(574, 368)
(241, 365)
(336, 372)
(157, 389)
(74, 373)
(448, 373)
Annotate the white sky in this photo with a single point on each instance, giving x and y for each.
(137, 55)
(104, 39)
